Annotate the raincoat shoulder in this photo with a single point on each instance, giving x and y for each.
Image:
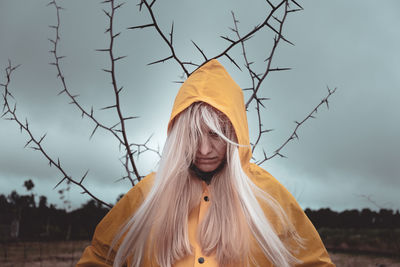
(97, 254)
(313, 252)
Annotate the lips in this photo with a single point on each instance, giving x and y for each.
(206, 160)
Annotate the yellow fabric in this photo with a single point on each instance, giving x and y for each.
(213, 85)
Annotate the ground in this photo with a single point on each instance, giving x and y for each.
(66, 254)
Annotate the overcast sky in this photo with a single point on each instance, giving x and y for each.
(347, 158)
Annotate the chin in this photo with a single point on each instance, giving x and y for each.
(208, 168)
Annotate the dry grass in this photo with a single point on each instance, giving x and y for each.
(41, 254)
(66, 254)
(349, 260)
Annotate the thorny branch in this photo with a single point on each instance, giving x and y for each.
(35, 143)
(119, 133)
(257, 79)
(294, 134)
(163, 36)
(117, 91)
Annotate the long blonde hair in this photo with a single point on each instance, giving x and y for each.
(159, 228)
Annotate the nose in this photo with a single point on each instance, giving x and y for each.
(205, 146)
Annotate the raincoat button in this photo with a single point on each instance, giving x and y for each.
(201, 260)
(206, 198)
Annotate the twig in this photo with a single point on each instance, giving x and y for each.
(168, 42)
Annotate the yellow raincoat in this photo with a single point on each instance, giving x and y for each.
(213, 85)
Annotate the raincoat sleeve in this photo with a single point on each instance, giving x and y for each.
(97, 253)
(313, 253)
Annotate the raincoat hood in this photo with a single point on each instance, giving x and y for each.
(212, 84)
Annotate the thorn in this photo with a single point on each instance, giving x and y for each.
(63, 179)
(329, 90)
(277, 19)
(115, 125)
(259, 102)
(190, 63)
(130, 118)
(172, 32)
(141, 26)
(280, 69)
(95, 128)
(27, 142)
(273, 7)
(247, 38)
(226, 38)
(282, 156)
(294, 10)
(232, 29)
(107, 13)
(148, 139)
(118, 58)
(226, 54)
(41, 139)
(279, 34)
(160, 61)
(108, 107)
(118, 6)
(266, 131)
(83, 177)
(201, 51)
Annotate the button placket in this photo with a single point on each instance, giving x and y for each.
(200, 260)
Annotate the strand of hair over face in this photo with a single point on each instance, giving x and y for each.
(158, 231)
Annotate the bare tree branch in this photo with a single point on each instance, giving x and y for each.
(117, 105)
(162, 35)
(37, 143)
(294, 134)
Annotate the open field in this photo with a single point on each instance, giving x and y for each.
(41, 254)
(66, 254)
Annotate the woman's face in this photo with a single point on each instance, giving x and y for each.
(210, 152)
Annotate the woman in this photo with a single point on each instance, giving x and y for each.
(207, 205)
